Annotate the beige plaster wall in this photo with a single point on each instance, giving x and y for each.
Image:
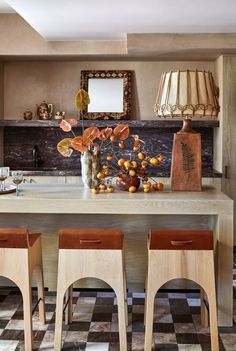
(29, 83)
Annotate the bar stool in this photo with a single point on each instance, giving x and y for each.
(20, 255)
(92, 253)
(174, 254)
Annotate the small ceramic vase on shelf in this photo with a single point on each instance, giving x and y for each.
(28, 115)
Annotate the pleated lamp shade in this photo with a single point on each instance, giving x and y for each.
(187, 94)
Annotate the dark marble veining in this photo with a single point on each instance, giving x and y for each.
(19, 145)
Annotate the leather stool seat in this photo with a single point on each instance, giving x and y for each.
(98, 239)
(180, 239)
(16, 238)
(20, 255)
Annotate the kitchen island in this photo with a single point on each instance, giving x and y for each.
(50, 207)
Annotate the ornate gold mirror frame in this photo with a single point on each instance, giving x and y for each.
(116, 93)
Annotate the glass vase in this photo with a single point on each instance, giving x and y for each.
(126, 181)
(90, 166)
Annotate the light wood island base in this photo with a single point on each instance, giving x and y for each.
(47, 208)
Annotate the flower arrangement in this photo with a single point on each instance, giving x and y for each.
(130, 169)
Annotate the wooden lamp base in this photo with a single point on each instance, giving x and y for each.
(186, 166)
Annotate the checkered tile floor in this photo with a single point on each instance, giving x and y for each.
(95, 324)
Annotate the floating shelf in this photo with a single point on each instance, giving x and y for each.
(163, 123)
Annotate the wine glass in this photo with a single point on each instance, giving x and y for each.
(17, 178)
(4, 173)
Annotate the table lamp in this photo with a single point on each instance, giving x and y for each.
(187, 94)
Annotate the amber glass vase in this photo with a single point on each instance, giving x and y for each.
(125, 181)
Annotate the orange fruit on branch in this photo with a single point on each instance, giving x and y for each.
(110, 189)
(110, 157)
(144, 164)
(121, 162)
(146, 190)
(141, 155)
(95, 190)
(154, 161)
(134, 164)
(102, 186)
(160, 186)
(132, 173)
(113, 138)
(146, 186)
(121, 145)
(127, 164)
(160, 158)
(100, 175)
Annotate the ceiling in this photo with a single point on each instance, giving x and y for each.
(5, 7)
(113, 19)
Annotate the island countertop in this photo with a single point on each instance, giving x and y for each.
(70, 198)
(74, 200)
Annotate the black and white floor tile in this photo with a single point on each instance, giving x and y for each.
(95, 323)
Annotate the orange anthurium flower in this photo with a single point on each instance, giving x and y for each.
(121, 131)
(71, 121)
(82, 99)
(64, 147)
(79, 144)
(91, 133)
(105, 133)
(66, 124)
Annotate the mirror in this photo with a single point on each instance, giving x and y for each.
(110, 94)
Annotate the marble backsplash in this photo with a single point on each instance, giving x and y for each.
(20, 145)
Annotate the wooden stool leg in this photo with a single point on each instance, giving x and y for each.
(145, 301)
(150, 296)
(41, 296)
(213, 322)
(27, 307)
(125, 298)
(204, 311)
(58, 322)
(122, 318)
(211, 293)
(149, 308)
(69, 308)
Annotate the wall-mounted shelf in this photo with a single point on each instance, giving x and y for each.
(163, 123)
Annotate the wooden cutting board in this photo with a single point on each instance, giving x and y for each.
(186, 166)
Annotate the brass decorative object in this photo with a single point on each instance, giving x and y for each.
(187, 94)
